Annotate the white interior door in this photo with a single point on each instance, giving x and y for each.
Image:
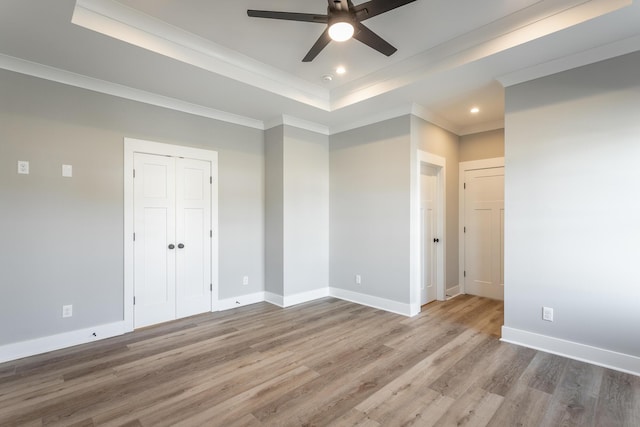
(154, 225)
(429, 238)
(193, 248)
(172, 248)
(484, 232)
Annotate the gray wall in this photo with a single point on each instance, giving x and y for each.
(64, 237)
(572, 208)
(483, 145)
(369, 209)
(274, 217)
(306, 210)
(436, 140)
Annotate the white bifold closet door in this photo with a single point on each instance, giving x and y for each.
(172, 248)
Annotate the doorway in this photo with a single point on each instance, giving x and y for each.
(171, 235)
(482, 223)
(429, 233)
(430, 229)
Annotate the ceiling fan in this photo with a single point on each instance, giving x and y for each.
(343, 20)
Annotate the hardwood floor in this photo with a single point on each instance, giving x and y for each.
(329, 363)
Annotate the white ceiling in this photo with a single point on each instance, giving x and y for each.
(209, 58)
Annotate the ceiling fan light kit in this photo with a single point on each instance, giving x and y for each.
(343, 21)
(341, 31)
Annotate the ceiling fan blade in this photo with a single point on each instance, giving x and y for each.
(371, 39)
(376, 7)
(288, 16)
(320, 44)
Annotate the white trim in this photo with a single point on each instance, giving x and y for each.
(453, 291)
(303, 297)
(131, 26)
(482, 127)
(540, 19)
(285, 119)
(274, 299)
(376, 302)
(463, 167)
(132, 146)
(404, 110)
(590, 56)
(585, 353)
(431, 117)
(240, 301)
(101, 86)
(371, 119)
(35, 346)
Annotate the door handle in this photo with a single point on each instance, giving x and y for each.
(180, 245)
(436, 240)
(171, 246)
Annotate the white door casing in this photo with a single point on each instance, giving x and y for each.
(482, 229)
(199, 274)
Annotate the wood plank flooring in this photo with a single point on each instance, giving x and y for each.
(325, 363)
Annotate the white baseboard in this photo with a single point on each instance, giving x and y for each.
(303, 297)
(240, 301)
(274, 299)
(22, 349)
(56, 342)
(376, 302)
(453, 291)
(573, 350)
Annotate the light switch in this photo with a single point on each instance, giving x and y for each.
(67, 171)
(23, 167)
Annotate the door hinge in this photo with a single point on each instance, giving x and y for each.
(465, 230)
(134, 237)
(210, 180)
(134, 300)
(134, 173)
(211, 287)
(465, 186)
(465, 273)
(210, 233)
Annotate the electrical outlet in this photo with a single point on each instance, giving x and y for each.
(67, 310)
(547, 314)
(358, 279)
(23, 167)
(245, 280)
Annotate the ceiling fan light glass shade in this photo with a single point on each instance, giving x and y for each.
(341, 31)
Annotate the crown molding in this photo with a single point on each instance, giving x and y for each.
(600, 53)
(482, 127)
(134, 27)
(429, 116)
(29, 68)
(538, 20)
(131, 26)
(287, 120)
(371, 119)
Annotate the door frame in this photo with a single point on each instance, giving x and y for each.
(439, 163)
(463, 168)
(132, 146)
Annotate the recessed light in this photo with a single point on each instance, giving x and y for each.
(475, 110)
(341, 70)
